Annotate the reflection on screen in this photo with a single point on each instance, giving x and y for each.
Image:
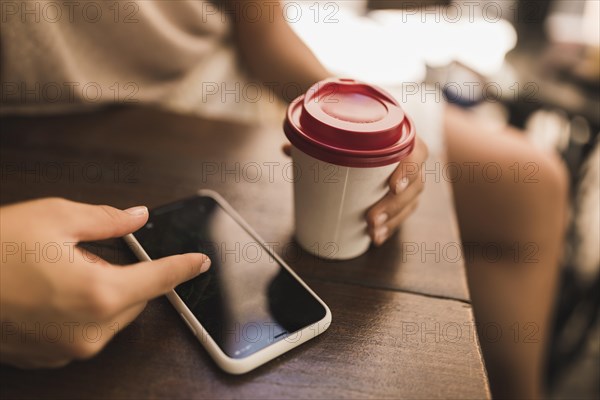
(246, 300)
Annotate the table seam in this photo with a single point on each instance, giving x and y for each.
(429, 295)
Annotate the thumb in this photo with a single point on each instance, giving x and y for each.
(96, 222)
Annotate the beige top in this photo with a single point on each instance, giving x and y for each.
(60, 56)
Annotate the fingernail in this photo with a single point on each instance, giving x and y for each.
(137, 211)
(381, 234)
(205, 265)
(380, 219)
(401, 185)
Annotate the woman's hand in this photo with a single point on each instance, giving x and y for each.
(57, 301)
(406, 184)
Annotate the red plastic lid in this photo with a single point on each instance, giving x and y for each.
(349, 123)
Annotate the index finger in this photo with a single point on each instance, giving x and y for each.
(409, 169)
(149, 279)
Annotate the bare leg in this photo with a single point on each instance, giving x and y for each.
(512, 227)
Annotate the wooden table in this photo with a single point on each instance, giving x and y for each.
(402, 319)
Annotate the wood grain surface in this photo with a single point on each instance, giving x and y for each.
(403, 324)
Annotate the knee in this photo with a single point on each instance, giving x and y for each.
(531, 206)
(551, 187)
(542, 202)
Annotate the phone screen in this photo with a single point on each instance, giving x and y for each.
(247, 300)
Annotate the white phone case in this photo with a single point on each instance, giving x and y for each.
(239, 365)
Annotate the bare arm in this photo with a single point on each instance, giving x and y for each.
(271, 51)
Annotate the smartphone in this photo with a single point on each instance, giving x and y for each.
(249, 307)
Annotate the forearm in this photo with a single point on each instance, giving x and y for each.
(275, 55)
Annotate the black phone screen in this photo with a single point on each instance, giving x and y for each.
(247, 300)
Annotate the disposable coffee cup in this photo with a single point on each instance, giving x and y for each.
(347, 138)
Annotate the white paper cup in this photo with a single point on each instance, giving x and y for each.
(347, 139)
(330, 204)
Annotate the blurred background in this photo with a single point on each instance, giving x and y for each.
(531, 64)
